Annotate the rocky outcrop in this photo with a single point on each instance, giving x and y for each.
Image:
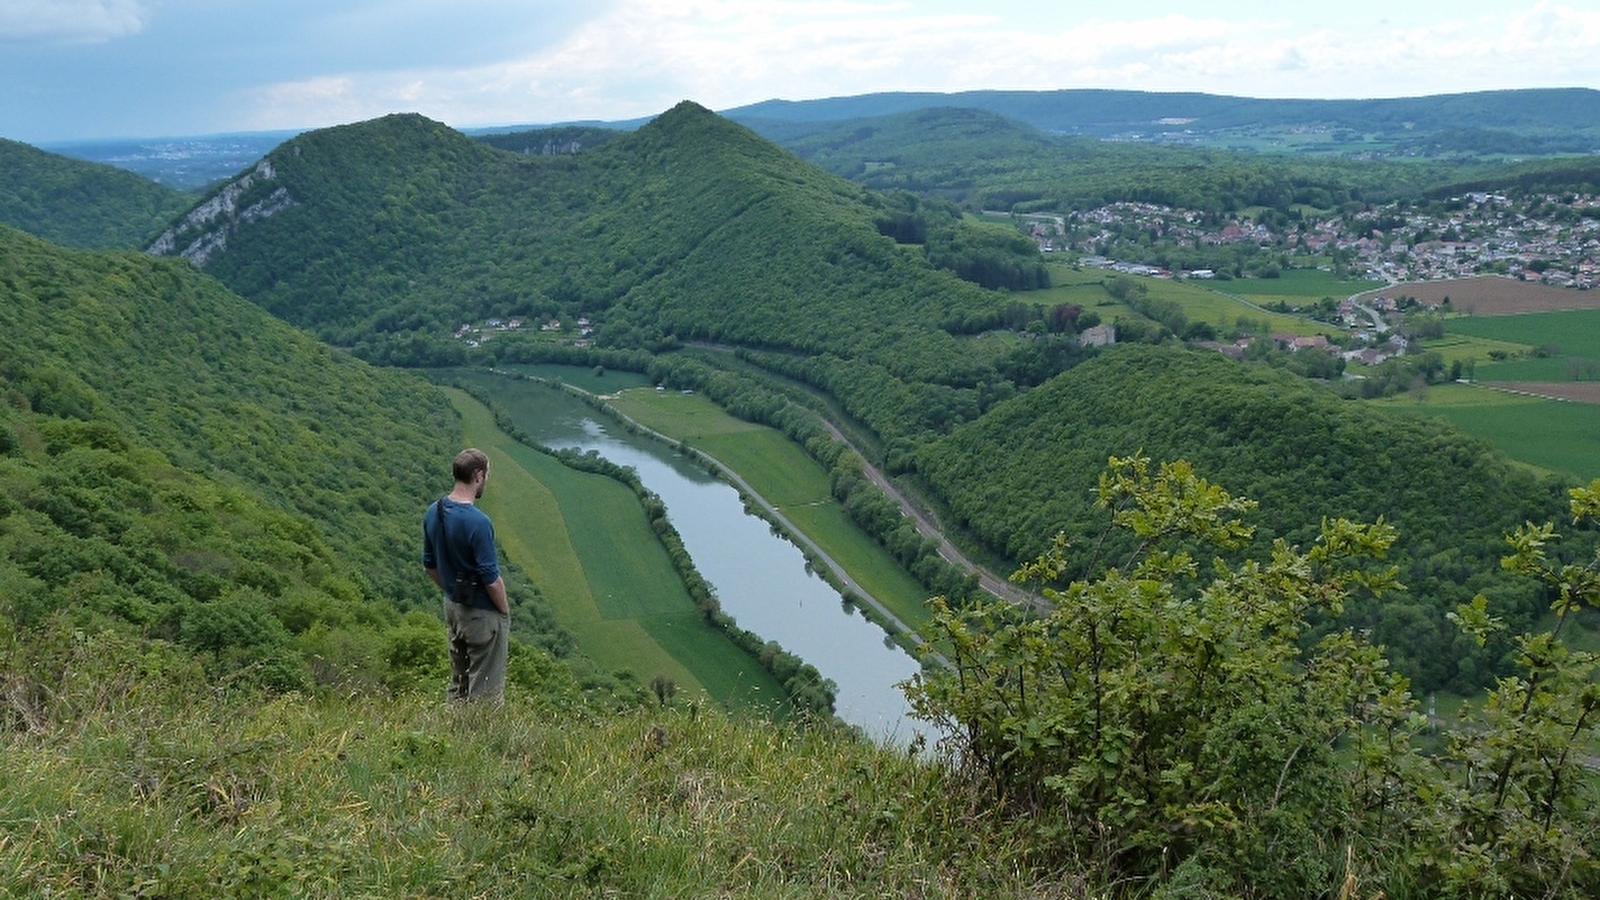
(203, 233)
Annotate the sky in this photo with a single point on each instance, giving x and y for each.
(73, 70)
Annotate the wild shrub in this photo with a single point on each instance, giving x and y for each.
(1167, 724)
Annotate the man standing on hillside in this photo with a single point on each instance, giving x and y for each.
(458, 554)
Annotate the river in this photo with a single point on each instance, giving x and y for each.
(760, 578)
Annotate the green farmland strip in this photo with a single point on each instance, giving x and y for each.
(1298, 285)
(780, 471)
(1573, 332)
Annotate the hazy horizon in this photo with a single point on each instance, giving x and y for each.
(89, 70)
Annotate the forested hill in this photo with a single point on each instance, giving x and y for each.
(988, 161)
(81, 204)
(1026, 471)
(387, 235)
(150, 354)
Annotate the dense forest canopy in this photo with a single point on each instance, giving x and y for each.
(1025, 472)
(404, 228)
(81, 204)
(171, 361)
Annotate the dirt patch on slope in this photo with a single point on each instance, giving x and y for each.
(1491, 295)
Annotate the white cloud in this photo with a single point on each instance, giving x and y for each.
(638, 57)
(70, 21)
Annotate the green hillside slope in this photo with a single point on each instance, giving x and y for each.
(389, 234)
(81, 204)
(988, 161)
(176, 363)
(1027, 471)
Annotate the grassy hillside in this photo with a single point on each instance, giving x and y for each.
(80, 204)
(131, 778)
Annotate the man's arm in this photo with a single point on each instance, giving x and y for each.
(497, 594)
(437, 578)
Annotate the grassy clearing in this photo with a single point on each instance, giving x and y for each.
(1551, 435)
(595, 381)
(1571, 332)
(1454, 346)
(1220, 303)
(584, 541)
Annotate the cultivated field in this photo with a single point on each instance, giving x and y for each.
(1547, 434)
(1294, 286)
(1577, 391)
(1491, 295)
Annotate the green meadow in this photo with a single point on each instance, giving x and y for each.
(1543, 346)
(1220, 303)
(583, 540)
(1551, 435)
(1464, 347)
(1296, 286)
(596, 380)
(1572, 332)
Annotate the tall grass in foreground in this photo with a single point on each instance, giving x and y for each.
(126, 775)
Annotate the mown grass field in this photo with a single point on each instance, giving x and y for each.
(1297, 285)
(593, 380)
(1464, 347)
(1219, 303)
(780, 471)
(1563, 335)
(584, 541)
(1551, 435)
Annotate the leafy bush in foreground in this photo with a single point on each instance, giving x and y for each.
(1163, 727)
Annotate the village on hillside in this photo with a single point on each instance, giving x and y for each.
(1549, 238)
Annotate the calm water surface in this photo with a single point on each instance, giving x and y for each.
(760, 579)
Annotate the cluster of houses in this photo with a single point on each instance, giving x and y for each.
(1551, 238)
(475, 335)
(1395, 345)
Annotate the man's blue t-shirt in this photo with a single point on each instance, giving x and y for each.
(461, 540)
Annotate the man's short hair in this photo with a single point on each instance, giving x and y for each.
(469, 462)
